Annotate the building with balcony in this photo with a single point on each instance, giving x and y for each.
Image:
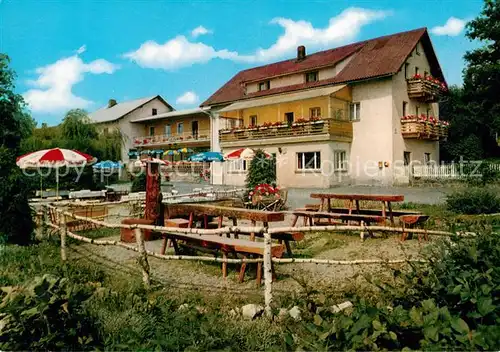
(117, 116)
(358, 114)
(172, 130)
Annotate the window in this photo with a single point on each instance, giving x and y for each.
(426, 74)
(405, 108)
(155, 112)
(340, 160)
(312, 76)
(407, 69)
(289, 117)
(354, 111)
(427, 158)
(417, 50)
(417, 110)
(180, 127)
(151, 131)
(407, 158)
(315, 112)
(238, 165)
(309, 161)
(105, 131)
(417, 70)
(168, 130)
(253, 120)
(264, 85)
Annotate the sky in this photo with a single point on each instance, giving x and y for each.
(79, 54)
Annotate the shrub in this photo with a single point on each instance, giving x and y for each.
(46, 314)
(474, 201)
(261, 171)
(139, 183)
(450, 303)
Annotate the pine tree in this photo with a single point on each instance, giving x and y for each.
(261, 170)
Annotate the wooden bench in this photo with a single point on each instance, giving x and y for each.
(96, 212)
(413, 221)
(311, 217)
(228, 246)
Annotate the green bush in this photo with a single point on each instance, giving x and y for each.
(261, 170)
(46, 314)
(474, 201)
(450, 303)
(139, 183)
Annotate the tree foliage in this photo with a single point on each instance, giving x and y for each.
(261, 171)
(16, 223)
(474, 110)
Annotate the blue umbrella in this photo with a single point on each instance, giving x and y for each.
(108, 164)
(207, 156)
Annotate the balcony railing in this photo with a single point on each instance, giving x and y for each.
(339, 130)
(201, 136)
(425, 90)
(424, 129)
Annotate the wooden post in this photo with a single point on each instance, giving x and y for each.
(45, 221)
(63, 231)
(362, 233)
(268, 273)
(143, 257)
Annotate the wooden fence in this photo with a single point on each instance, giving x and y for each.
(143, 254)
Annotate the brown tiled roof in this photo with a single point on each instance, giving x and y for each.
(372, 58)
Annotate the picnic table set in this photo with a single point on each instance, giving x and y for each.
(212, 215)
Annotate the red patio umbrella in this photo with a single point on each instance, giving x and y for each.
(244, 153)
(54, 158)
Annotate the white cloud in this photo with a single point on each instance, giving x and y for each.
(180, 52)
(81, 49)
(53, 87)
(200, 30)
(453, 27)
(341, 29)
(175, 53)
(188, 98)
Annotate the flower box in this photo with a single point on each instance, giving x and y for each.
(426, 89)
(423, 128)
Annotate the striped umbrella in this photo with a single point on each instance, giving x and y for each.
(54, 158)
(185, 150)
(244, 153)
(171, 152)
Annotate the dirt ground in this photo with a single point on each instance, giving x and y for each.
(292, 279)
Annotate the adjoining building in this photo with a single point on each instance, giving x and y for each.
(358, 114)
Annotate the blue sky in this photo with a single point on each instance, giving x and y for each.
(82, 53)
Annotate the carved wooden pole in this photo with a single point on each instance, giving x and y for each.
(152, 190)
(268, 273)
(63, 231)
(142, 259)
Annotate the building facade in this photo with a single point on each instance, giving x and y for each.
(358, 114)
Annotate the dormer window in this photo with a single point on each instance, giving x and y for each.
(264, 85)
(312, 76)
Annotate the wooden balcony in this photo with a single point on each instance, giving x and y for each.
(185, 138)
(424, 90)
(423, 130)
(328, 129)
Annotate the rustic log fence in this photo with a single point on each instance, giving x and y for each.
(267, 233)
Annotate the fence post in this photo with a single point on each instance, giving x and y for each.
(45, 221)
(63, 230)
(143, 257)
(268, 273)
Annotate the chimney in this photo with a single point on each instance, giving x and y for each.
(301, 53)
(111, 103)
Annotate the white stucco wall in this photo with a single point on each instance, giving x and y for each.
(416, 147)
(372, 135)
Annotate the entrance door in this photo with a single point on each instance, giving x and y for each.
(194, 129)
(289, 117)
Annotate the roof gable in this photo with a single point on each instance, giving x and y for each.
(372, 58)
(119, 110)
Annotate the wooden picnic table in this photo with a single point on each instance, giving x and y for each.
(353, 199)
(309, 217)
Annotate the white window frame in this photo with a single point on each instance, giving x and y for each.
(251, 117)
(238, 165)
(264, 85)
(312, 74)
(315, 112)
(340, 160)
(151, 131)
(316, 162)
(355, 111)
(180, 127)
(427, 159)
(168, 130)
